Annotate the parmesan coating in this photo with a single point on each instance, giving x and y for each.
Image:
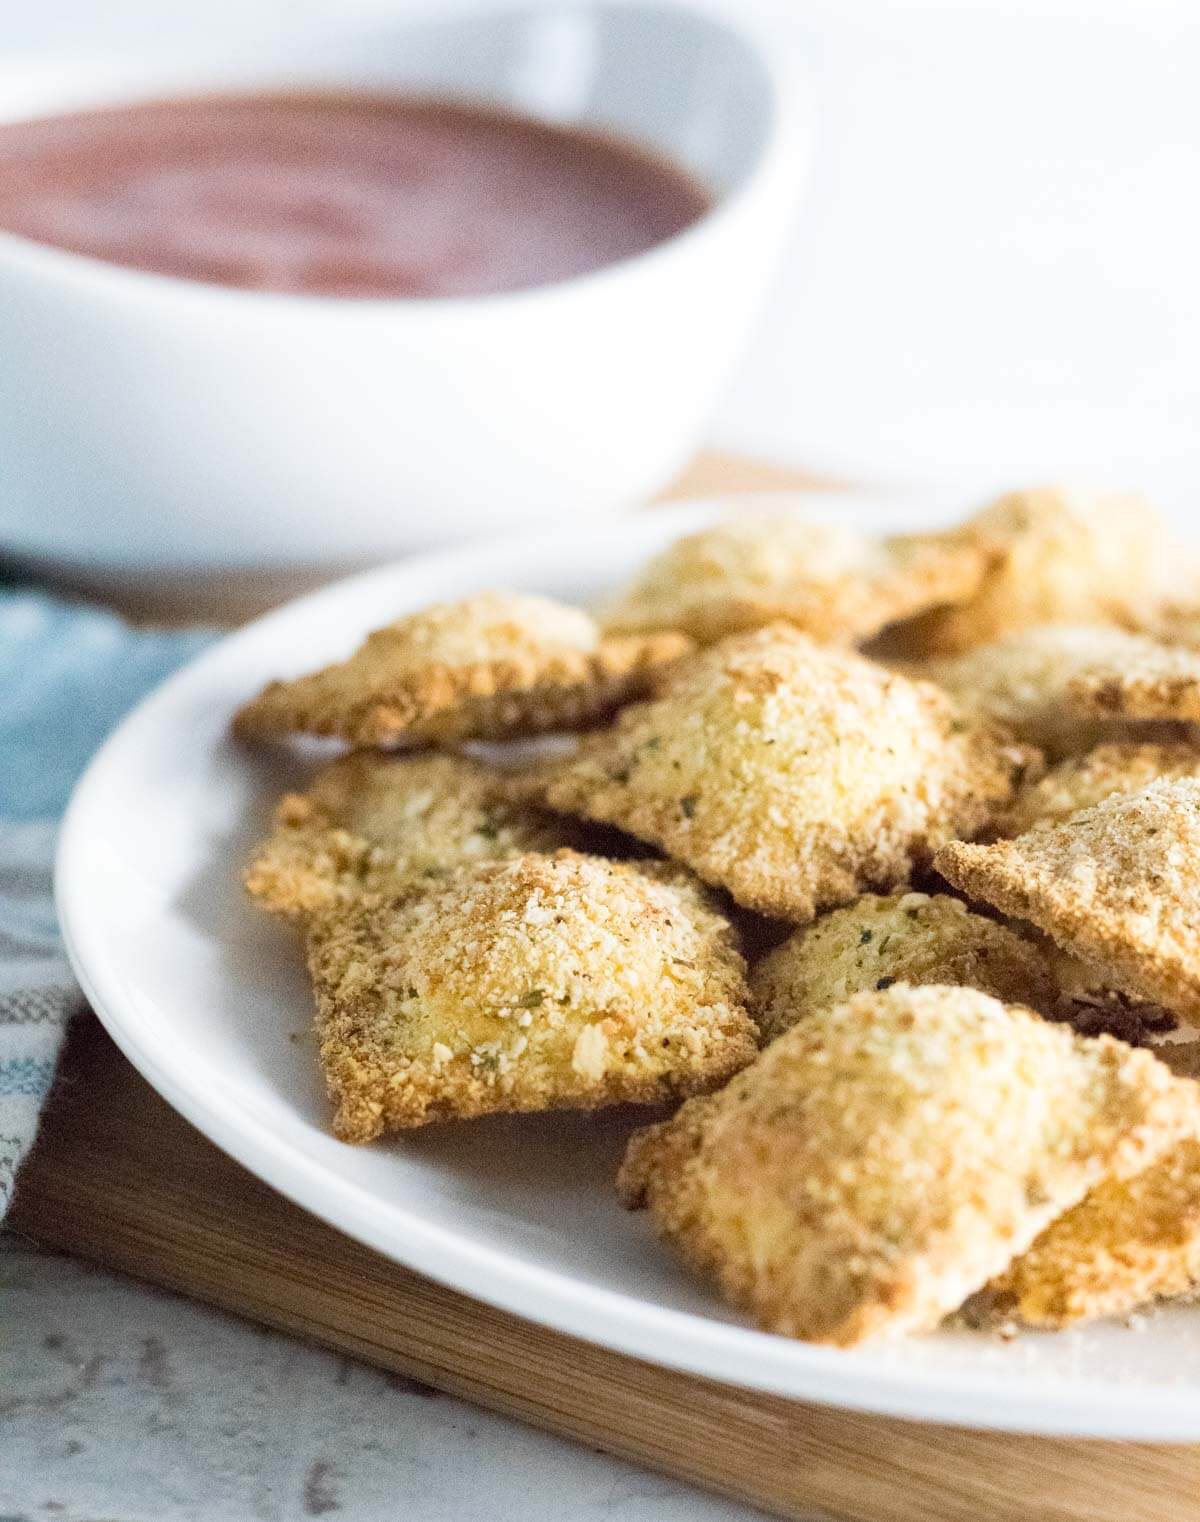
(1048, 684)
(792, 774)
(544, 982)
(1130, 1241)
(888, 1156)
(1117, 884)
(1139, 678)
(1175, 620)
(1079, 781)
(914, 938)
(375, 824)
(491, 666)
(1055, 556)
(837, 583)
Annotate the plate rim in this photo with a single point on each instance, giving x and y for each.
(622, 1322)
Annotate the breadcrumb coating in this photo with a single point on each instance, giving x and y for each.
(1079, 781)
(1117, 884)
(375, 824)
(544, 982)
(1174, 620)
(491, 666)
(1055, 556)
(888, 1156)
(1130, 1241)
(1047, 684)
(1139, 678)
(914, 938)
(838, 583)
(795, 775)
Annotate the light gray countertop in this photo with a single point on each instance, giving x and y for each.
(120, 1403)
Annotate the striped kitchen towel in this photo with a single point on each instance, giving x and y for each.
(67, 674)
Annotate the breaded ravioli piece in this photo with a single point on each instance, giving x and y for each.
(1055, 556)
(1129, 1242)
(1139, 678)
(795, 775)
(915, 938)
(888, 1156)
(375, 824)
(544, 982)
(836, 582)
(1077, 782)
(491, 666)
(1117, 884)
(1047, 684)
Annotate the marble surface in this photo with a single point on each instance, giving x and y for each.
(121, 1403)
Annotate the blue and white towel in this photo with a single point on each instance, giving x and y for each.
(67, 674)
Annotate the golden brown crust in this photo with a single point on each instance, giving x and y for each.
(913, 938)
(1117, 884)
(888, 1156)
(1140, 678)
(1055, 556)
(837, 583)
(1047, 684)
(793, 774)
(492, 666)
(1080, 781)
(1129, 1242)
(373, 824)
(544, 982)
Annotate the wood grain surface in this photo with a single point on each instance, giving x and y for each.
(119, 1178)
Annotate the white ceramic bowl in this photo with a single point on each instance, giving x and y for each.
(151, 423)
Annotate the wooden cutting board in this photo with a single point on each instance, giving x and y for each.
(119, 1178)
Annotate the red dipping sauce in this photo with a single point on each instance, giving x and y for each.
(338, 194)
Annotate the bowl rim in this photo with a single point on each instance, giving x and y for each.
(785, 135)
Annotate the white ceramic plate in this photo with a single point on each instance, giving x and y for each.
(208, 999)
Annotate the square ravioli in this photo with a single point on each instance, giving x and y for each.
(915, 938)
(492, 666)
(1054, 556)
(1117, 884)
(792, 774)
(544, 982)
(887, 1157)
(1129, 1242)
(376, 824)
(1067, 687)
(1077, 782)
(837, 583)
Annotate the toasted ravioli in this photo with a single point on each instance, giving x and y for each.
(1117, 884)
(1055, 556)
(836, 582)
(375, 824)
(888, 1156)
(1045, 683)
(915, 938)
(544, 982)
(1128, 1242)
(491, 666)
(790, 773)
(1139, 678)
(1080, 781)
(1174, 620)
